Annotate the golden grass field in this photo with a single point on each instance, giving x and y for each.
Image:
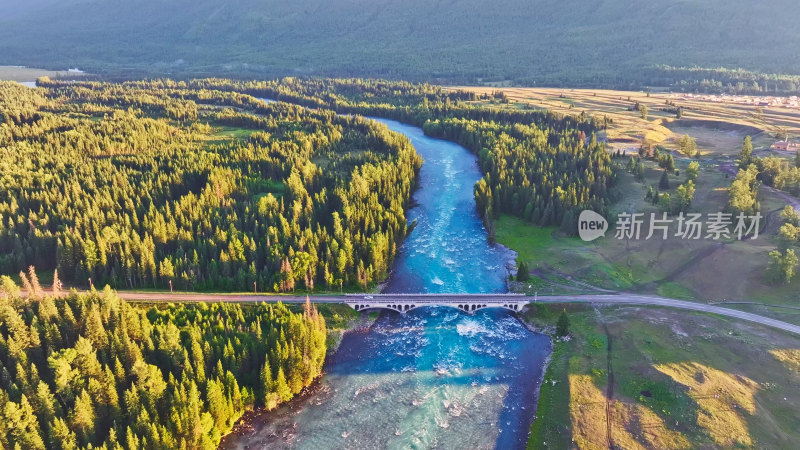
(725, 121)
(633, 378)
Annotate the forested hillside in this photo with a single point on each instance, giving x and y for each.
(92, 371)
(540, 166)
(151, 183)
(606, 43)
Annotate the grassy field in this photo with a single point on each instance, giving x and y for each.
(645, 378)
(226, 133)
(704, 269)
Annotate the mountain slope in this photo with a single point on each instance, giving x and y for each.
(569, 40)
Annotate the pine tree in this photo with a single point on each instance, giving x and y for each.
(562, 326)
(93, 391)
(269, 397)
(746, 153)
(217, 405)
(668, 163)
(631, 165)
(95, 330)
(282, 387)
(26, 284)
(639, 171)
(685, 195)
(83, 416)
(63, 436)
(37, 288)
(56, 284)
(22, 425)
(46, 403)
(523, 273)
(663, 183)
(665, 202)
(9, 288)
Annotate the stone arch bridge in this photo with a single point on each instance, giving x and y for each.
(465, 302)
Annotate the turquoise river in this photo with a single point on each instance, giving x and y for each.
(433, 377)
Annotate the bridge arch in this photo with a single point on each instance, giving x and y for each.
(406, 302)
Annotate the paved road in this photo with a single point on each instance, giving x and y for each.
(644, 300)
(249, 298)
(623, 299)
(236, 298)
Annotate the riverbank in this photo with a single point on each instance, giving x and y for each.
(251, 420)
(361, 324)
(255, 419)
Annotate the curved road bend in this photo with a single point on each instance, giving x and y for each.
(644, 300)
(622, 299)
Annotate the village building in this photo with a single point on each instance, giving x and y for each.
(786, 146)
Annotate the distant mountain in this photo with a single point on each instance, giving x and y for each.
(527, 41)
(15, 9)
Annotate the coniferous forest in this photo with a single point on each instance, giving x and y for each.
(136, 185)
(93, 371)
(540, 166)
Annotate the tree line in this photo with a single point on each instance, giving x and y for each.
(721, 80)
(779, 173)
(93, 371)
